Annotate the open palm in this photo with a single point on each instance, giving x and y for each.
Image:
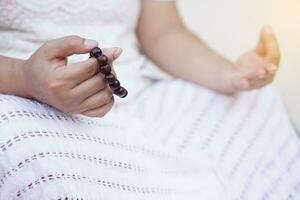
(258, 67)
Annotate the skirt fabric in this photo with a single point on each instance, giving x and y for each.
(175, 140)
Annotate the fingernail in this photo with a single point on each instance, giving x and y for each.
(90, 43)
(117, 53)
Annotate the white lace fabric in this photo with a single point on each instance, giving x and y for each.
(172, 141)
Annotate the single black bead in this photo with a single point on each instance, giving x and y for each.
(121, 92)
(114, 85)
(102, 60)
(96, 52)
(110, 78)
(105, 69)
(124, 93)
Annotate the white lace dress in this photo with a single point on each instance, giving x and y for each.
(169, 140)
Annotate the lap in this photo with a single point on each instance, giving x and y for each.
(48, 154)
(248, 136)
(182, 114)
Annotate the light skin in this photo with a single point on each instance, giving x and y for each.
(80, 88)
(46, 76)
(189, 58)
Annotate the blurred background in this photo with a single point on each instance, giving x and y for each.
(232, 27)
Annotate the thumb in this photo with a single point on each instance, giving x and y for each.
(261, 47)
(67, 46)
(268, 46)
(272, 53)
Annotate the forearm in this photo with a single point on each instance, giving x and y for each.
(9, 76)
(180, 53)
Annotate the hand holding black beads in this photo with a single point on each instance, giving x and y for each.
(105, 69)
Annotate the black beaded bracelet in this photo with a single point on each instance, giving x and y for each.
(105, 69)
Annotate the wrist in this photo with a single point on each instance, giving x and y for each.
(224, 77)
(19, 85)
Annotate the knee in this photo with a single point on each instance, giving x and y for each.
(14, 111)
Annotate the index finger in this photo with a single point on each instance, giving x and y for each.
(81, 71)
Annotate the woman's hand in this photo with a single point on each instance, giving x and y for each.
(258, 67)
(75, 89)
